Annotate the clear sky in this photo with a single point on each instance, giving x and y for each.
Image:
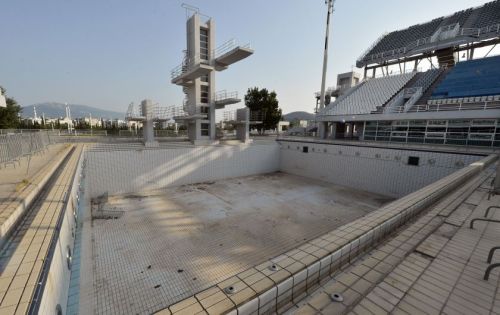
(108, 53)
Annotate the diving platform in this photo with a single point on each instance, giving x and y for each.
(223, 99)
(190, 117)
(185, 77)
(232, 56)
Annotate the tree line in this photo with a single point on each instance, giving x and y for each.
(263, 105)
(9, 116)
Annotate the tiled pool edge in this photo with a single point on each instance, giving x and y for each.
(274, 284)
(74, 282)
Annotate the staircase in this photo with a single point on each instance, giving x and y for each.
(380, 109)
(427, 94)
(472, 19)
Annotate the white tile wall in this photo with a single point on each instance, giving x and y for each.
(57, 286)
(123, 171)
(378, 170)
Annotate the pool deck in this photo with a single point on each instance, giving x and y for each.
(435, 265)
(27, 248)
(21, 181)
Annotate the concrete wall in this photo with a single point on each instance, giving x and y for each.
(124, 171)
(379, 170)
(57, 284)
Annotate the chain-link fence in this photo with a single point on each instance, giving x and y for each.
(157, 132)
(15, 145)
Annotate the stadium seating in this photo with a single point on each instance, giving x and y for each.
(480, 77)
(372, 94)
(479, 17)
(458, 17)
(489, 14)
(398, 39)
(427, 78)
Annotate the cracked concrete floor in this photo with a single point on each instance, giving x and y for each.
(172, 243)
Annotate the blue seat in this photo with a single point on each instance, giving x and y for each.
(480, 77)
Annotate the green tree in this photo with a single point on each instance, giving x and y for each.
(9, 116)
(266, 105)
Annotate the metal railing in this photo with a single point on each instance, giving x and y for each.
(456, 107)
(224, 95)
(375, 43)
(395, 102)
(12, 131)
(227, 47)
(478, 32)
(495, 28)
(417, 94)
(188, 110)
(154, 113)
(229, 115)
(394, 72)
(157, 133)
(188, 63)
(83, 132)
(14, 146)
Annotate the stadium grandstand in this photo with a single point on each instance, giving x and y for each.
(455, 101)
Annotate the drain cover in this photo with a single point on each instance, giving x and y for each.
(273, 267)
(230, 289)
(336, 297)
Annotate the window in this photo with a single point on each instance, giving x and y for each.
(482, 122)
(344, 81)
(204, 44)
(437, 123)
(204, 94)
(204, 78)
(205, 129)
(305, 149)
(204, 109)
(413, 160)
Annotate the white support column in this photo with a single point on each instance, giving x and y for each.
(211, 79)
(148, 125)
(243, 127)
(321, 129)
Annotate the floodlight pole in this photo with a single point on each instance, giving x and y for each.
(329, 4)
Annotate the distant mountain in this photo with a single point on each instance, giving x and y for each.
(55, 110)
(298, 116)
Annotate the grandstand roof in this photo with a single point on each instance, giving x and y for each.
(473, 24)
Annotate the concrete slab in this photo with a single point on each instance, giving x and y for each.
(170, 244)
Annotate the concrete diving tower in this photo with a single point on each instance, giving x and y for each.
(196, 74)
